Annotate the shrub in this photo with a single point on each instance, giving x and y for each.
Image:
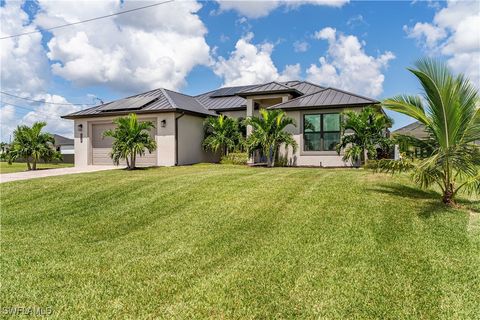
(235, 158)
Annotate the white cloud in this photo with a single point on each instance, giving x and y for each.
(300, 46)
(7, 122)
(24, 65)
(257, 9)
(347, 66)
(50, 113)
(152, 48)
(357, 20)
(426, 33)
(452, 34)
(250, 63)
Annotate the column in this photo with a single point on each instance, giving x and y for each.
(250, 107)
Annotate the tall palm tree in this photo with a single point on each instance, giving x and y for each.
(221, 133)
(368, 132)
(269, 133)
(451, 116)
(131, 138)
(31, 145)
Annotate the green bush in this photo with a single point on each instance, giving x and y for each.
(235, 158)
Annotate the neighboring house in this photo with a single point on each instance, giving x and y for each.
(66, 147)
(179, 120)
(416, 130)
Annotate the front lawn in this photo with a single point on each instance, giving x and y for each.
(213, 241)
(19, 167)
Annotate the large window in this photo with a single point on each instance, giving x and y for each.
(321, 132)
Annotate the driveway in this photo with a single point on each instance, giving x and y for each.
(7, 177)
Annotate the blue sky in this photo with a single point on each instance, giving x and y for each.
(197, 47)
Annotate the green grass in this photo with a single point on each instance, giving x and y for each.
(213, 241)
(19, 167)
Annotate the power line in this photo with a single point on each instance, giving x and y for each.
(32, 110)
(88, 20)
(45, 102)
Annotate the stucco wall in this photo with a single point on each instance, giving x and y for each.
(165, 138)
(312, 158)
(190, 138)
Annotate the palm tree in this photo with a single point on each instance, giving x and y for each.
(31, 145)
(368, 132)
(131, 138)
(221, 133)
(451, 116)
(268, 133)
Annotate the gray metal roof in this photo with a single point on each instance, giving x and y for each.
(160, 100)
(416, 129)
(267, 88)
(227, 98)
(62, 141)
(328, 97)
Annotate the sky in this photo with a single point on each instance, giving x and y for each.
(360, 46)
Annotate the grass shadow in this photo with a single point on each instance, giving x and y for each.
(432, 199)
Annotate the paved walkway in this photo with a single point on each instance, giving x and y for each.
(7, 177)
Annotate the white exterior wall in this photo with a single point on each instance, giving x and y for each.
(190, 138)
(81, 142)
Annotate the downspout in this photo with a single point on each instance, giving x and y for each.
(176, 137)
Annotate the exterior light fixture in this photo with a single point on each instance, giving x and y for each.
(163, 123)
(80, 127)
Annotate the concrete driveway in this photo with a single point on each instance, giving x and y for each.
(7, 177)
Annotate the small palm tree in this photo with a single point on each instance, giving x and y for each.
(32, 145)
(269, 133)
(451, 116)
(221, 133)
(368, 132)
(131, 138)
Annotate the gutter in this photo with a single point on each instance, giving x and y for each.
(176, 137)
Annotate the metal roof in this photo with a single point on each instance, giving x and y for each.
(416, 129)
(328, 97)
(61, 140)
(227, 98)
(271, 87)
(160, 100)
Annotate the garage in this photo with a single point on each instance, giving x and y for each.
(102, 146)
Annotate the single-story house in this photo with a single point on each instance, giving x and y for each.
(66, 147)
(179, 121)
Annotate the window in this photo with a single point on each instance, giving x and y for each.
(321, 132)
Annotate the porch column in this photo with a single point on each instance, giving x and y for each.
(250, 108)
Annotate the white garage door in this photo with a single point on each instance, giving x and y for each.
(102, 146)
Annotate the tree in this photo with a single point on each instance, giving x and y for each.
(269, 133)
(32, 145)
(131, 138)
(368, 132)
(221, 133)
(451, 117)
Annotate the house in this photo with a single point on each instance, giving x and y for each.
(416, 130)
(66, 147)
(179, 121)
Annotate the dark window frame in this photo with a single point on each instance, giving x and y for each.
(321, 132)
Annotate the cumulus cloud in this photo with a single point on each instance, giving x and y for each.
(153, 48)
(300, 46)
(452, 34)
(250, 63)
(24, 65)
(257, 9)
(347, 66)
(50, 113)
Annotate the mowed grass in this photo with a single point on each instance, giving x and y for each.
(19, 167)
(230, 242)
